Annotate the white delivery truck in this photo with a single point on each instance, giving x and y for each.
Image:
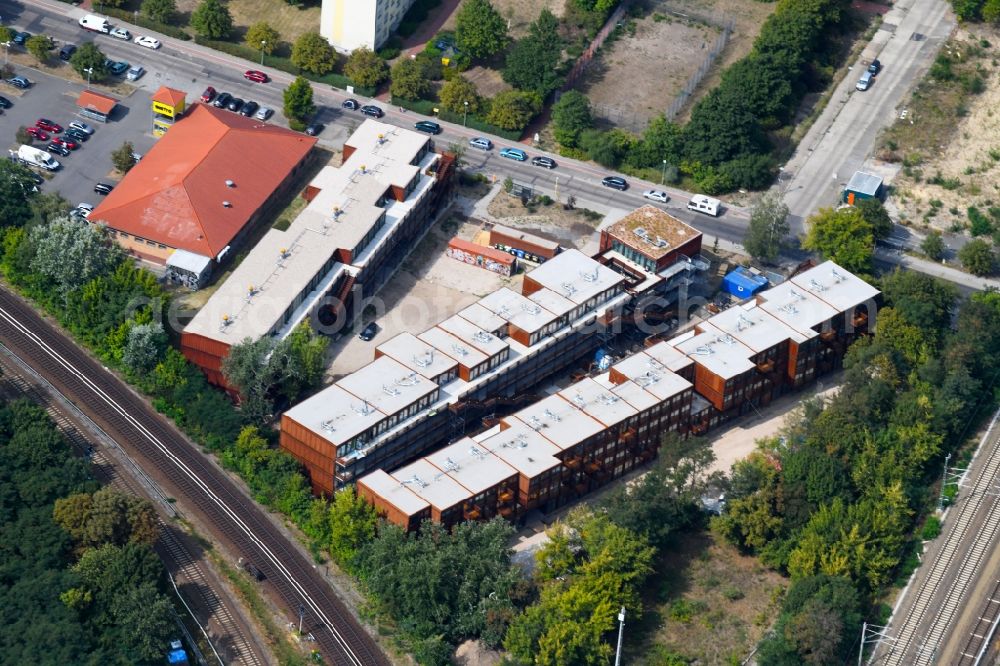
(702, 204)
(95, 23)
(35, 157)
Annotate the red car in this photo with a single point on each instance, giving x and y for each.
(255, 76)
(48, 125)
(66, 143)
(38, 134)
(208, 95)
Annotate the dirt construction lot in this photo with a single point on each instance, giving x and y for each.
(665, 51)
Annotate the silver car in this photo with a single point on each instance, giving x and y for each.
(263, 113)
(134, 73)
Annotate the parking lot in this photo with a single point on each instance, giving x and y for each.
(55, 99)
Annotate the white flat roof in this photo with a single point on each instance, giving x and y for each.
(384, 146)
(472, 465)
(472, 335)
(797, 307)
(719, 353)
(754, 327)
(558, 421)
(431, 484)
(553, 302)
(417, 355)
(522, 312)
(835, 285)
(523, 448)
(631, 392)
(575, 276)
(483, 318)
(598, 402)
(335, 415)
(395, 493)
(652, 376)
(465, 354)
(667, 356)
(388, 385)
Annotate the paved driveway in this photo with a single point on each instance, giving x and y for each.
(55, 99)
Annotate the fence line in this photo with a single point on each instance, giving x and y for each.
(584, 60)
(706, 65)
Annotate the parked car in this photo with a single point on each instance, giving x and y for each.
(208, 95)
(5, 103)
(481, 143)
(148, 42)
(120, 33)
(615, 183)
(20, 38)
(656, 195)
(66, 143)
(314, 129)
(59, 150)
(80, 127)
(103, 188)
(372, 111)
(263, 113)
(76, 135)
(235, 104)
(67, 51)
(865, 82)
(351, 104)
(428, 126)
(38, 134)
(48, 125)
(19, 82)
(369, 331)
(543, 161)
(514, 154)
(83, 210)
(249, 109)
(222, 100)
(875, 67)
(116, 68)
(135, 73)
(256, 76)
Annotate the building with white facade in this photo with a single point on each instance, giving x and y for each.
(348, 24)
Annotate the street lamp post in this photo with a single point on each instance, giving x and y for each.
(263, 43)
(89, 70)
(465, 116)
(6, 52)
(621, 630)
(663, 175)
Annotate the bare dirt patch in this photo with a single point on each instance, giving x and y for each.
(707, 604)
(488, 81)
(570, 228)
(949, 140)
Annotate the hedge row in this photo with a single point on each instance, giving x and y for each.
(142, 21)
(426, 107)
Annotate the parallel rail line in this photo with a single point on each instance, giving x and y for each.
(149, 437)
(979, 638)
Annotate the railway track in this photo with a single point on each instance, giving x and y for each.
(942, 591)
(236, 646)
(978, 641)
(204, 487)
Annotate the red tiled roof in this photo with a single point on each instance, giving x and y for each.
(175, 194)
(168, 96)
(88, 99)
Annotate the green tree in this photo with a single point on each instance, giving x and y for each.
(307, 351)
(7, 33)
(69, 255)
(88, 56)
(123, 157)
(39, 46)
(533, 62)
(843, 236)
(456, 92)
(144, 347)
(16, 193)
(924, 301)
(408, 80)
(875, 214)
(365, 68)
(262, 37)
(480, 31)
(212, 19)
(45, 206)
(977, 257)
(145, 619)
(767, 228)
(299, 100)
(570, 117)
(352, 526)
(933, 245)
(106, 517)
(514, 109)
(22, 136)
(991, 11)
(163, 11)
(313, 53)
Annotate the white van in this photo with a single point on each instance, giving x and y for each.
(702, 204)
(95, 23)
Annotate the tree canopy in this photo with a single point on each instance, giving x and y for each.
(480, 31)
(570, 117)
(212, 19)
(409, 81)
(89, 57)
(533, 62)
(162, 11)
(313, 53)
(977, 257)
(261, 36)
(456, 92)
(842, 235)
(514, 109)
(17, 185)
(767, 228)
(298, 98)
(366, 68)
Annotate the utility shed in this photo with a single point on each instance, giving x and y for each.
(741, 283)
(863, 186)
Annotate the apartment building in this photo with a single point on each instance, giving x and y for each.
(362, 218)
(349, 24)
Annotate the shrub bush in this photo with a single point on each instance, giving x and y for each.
(144, 22)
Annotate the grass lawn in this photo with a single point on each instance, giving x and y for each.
(289, 21)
